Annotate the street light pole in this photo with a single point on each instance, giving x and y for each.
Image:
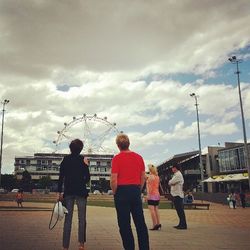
(236, 61)
(199, 140)
(1, 148)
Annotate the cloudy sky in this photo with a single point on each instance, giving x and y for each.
(135, 62)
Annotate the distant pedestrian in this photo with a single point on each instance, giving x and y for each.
(243, 198)
(127, 180)
(232, 198)
(19, 198)
(176, 184)
(74, 175)
(153, 196)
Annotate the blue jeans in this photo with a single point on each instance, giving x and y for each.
(69, 201)
(128, 201)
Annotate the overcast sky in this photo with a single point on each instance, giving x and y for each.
(135, 62)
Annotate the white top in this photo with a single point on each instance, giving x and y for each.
(176, 184)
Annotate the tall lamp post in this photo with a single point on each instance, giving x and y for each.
(236, 61)
(1, 148)
(199, 140)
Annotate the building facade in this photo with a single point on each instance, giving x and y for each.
(232, 158)
(232, 161)
(48, 164)
(190, 168)
(189, 163)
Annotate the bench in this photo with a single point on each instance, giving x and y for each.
(194, 205)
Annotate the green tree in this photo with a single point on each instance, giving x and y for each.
(9, 181)
(45, 182)
(26, 183)
(104, 185)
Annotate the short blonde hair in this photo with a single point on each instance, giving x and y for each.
(152, 169)
(122, 141)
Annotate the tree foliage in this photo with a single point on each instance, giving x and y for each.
(45, 182)
(26, 183)
(9, 181)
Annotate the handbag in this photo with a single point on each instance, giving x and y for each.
(58, 213)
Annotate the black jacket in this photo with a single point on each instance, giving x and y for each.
(74, 174)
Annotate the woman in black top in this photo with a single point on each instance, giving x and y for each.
(74, 175)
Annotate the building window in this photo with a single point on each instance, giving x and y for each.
(242, 158)
(92, 163)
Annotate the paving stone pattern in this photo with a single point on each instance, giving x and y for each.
(217, 228)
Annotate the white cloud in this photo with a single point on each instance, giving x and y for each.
(166, 36)
(61, 59)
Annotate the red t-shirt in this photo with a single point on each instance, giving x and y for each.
(128, 166)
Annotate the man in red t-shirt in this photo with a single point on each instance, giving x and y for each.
(127, 180)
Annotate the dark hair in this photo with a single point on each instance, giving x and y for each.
(76, 146)
(176, 166)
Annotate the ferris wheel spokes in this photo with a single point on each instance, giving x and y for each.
(94, 132)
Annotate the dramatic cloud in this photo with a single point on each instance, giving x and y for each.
(167, 36)
(135, 62)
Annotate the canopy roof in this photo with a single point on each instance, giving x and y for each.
(228, 177)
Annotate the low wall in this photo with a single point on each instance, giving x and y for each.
(217, 197)
(212, 197)
(51, 197)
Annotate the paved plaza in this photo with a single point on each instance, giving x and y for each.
(216, 228)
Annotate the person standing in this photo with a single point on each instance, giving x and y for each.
(232, 198)
(19, 198)
(176, 184)
(127, 180)
(74, 174)
(243, 198)
(153, 196)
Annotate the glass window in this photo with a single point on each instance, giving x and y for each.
(232, 159)
(92, 163)
(242, 158)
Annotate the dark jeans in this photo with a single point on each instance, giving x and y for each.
(178, 203)
(69, 202)
(234, 204)
(128, 201)
(243, 203)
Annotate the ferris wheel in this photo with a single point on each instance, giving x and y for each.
(97, 134)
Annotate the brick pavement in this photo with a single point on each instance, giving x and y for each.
(217, 228)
